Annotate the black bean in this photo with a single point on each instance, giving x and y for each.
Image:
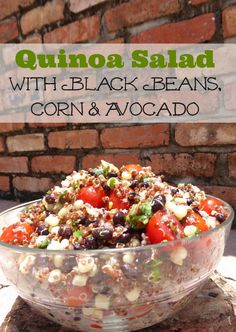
(112, 175)
(133, 197)
(49, 199)
(65, 232)
(190, 201)
(144, 184)
(174, 191)
(134, 184)
(91, 243)
(130, 271)
(68, 264)
(92, 173)
(124, 238)
(102, 233)
(88, 222)
(220, 217)
(43, 261)
(161, 198)
(107, 189)
(77, 319)
(106, 290)
(78, 246)
(42, 230)
(119, 218)
(195, 209)
(156, 205)
(83, 220)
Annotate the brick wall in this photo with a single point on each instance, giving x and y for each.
(33, 157)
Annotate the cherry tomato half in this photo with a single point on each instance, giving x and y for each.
(77, 296)
(119, 202)
(211, 204)
(157, 229)
(195, 219)
(93, 196)
(133, 168)
(17, 233)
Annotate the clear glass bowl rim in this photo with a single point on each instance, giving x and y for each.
(183, 241)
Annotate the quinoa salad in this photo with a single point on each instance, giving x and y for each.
(108, 207)
(86, 257)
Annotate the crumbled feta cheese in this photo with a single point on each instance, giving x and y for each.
(65, 183)
(64, 243)
(54, 230)
(54, 245)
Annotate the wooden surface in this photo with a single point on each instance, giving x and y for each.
(213, 310)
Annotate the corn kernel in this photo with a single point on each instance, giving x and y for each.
(54, 276)
(133, 294)
(102, 301)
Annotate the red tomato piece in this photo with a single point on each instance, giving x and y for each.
(211, 204)
(77, 296)
(133, 168)
(93, 196)
(119, 202)
(158, 230)
(195, 219)
(17, 233)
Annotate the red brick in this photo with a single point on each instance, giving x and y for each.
(2, 146)
(53, 164)
(93, 160)
(79, 31)
(4, 183)
(195, 30)
(13, 164)
(229, 22)
(189, 134)
(232, 165)
(29, 142)
(32, 184)
(7, 127)
(184, 164)
(8, 30)
(116, 41)
(75, 139)
(38, 17)
(198, 2)
(10, 7)
(228, 194)
(35, 38)
(135, 137)
(78, 6)
(138, 11)
(46, 124)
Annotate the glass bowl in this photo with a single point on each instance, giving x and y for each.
(112, 289)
